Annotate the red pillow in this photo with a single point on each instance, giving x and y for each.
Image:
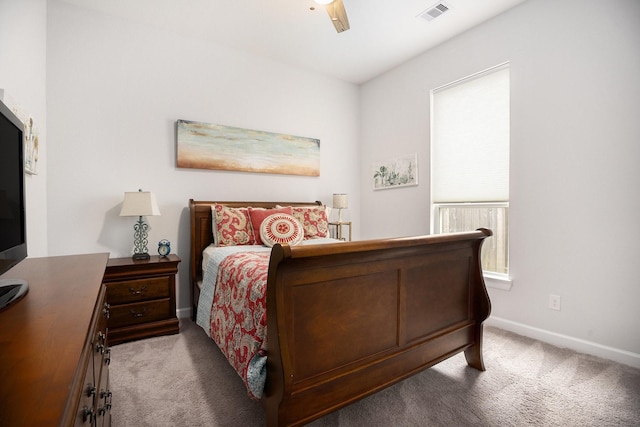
(258, 215)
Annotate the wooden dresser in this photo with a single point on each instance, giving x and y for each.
(54, 356)
(142, 296)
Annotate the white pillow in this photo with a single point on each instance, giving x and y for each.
(281, 228)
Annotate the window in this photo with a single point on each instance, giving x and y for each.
(470, 161)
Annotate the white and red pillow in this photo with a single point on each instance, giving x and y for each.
(281, 228)
(232, 226)
(313, 219)
(258, 215)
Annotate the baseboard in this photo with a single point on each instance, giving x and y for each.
(183, 313)
(559, 340)
(565, 341)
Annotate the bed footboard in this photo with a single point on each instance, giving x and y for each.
(348, 319)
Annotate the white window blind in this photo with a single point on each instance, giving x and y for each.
(470, 139)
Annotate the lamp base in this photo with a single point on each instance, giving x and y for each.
(137, 257)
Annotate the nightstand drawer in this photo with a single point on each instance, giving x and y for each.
(138, 290)
(138, 313)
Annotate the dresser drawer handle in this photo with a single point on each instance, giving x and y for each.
(87, 414)
(138, 313)
(138, 291)
(91, 390)
(107, 396)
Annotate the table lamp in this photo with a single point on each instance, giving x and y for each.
(340, 201)
(140, 203)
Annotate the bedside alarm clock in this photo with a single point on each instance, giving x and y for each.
(164, 247)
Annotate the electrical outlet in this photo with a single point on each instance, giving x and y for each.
(554, 302)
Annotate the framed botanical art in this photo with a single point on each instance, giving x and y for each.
(394, 173)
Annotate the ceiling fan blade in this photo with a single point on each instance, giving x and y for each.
(338, 15)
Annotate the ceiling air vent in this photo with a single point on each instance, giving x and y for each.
(434, 11)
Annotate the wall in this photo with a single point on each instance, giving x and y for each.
(115, 90)
(23, 78)
(574, 152)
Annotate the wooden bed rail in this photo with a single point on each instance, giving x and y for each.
(379, 244)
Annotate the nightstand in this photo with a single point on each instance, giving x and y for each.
(142, 297)
(338, 226)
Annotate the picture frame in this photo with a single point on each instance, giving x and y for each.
(220, 147)
(395, 173)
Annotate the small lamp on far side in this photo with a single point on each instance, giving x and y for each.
(140, 203)
(340, 201)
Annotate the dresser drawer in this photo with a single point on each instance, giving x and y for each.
(138, 290)
(138, 313)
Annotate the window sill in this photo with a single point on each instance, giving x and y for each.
(498, 281)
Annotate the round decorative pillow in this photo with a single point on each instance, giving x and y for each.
(281, 228)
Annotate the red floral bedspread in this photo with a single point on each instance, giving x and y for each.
(239, 310)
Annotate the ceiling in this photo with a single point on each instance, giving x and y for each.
(383, 34)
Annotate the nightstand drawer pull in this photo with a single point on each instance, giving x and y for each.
(138, 291)
(138, 313)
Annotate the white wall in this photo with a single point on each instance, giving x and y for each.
(23, 78)
(115, 90)
(575, 147)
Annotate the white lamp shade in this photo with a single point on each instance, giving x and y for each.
(340, 201)
(324, 1)
(139, 203)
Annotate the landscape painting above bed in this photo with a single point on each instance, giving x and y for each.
(212, 146)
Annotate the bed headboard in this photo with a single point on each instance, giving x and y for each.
(202, 234)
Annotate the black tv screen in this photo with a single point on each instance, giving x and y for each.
(13, 236)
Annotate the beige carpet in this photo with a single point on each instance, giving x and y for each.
(183, 380)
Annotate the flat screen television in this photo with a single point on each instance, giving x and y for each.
(13, 233)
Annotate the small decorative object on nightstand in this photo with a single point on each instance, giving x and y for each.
(142, 297)
(164, 247)
(140, 203)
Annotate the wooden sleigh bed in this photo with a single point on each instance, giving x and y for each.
(348, 319)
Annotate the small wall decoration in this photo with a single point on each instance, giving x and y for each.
(31, 141)
(212, 146)
(31, 144)
(394, 173)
